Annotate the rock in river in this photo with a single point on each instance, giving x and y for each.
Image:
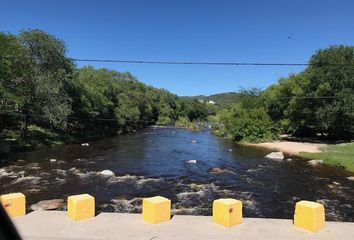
(48, 204)
(351, 178)
(315, 162)
(191, 161)
(220, 170)
(107, 173)
(275, 156)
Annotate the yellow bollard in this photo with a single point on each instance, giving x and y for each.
(156, 209)
(309, 215)
(81, 207)
(14, 204)
(227, 211)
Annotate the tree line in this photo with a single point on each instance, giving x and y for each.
(41, 88)
(318, 102)
(45, 97)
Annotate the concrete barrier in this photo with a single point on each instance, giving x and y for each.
(156, 209)
(55, 225)
(309, 215)
(81, 207)
(227, 211)
(14, 204)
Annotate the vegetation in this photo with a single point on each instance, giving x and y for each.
(46, 100)
(247, 120)
(317, 102)
(338, 155)
(222, 100)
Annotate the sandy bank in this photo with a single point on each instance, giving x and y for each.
(290, 147)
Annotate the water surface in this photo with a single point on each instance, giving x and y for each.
(153, 162)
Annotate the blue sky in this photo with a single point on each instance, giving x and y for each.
(190, 30)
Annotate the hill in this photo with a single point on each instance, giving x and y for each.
(220, 99)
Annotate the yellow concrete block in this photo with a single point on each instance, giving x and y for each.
(227, 211)
(14, 204)
(81, 207)
(309, 215)
(156, 209)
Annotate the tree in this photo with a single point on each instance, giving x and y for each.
(47, 73)
(320, 99)
(247, 120)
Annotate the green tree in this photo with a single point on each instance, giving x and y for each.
(320, 99)
(47, 74)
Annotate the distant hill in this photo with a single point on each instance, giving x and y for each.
(221, 99)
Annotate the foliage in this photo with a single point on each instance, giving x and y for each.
(247, 120)
(163, 120)
(35, 80)
(319, 100)
(40, 86)
(184, 122)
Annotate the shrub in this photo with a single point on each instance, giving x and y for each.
(248, 125)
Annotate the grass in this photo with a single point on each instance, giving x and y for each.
(341, 155)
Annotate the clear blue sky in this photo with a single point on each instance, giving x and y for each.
(190, 30)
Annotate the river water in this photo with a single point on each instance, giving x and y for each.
(153, 162)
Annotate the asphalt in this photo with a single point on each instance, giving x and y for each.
(50, 225)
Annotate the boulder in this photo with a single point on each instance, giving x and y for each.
(351, 178)
(48, 204)
(107, 173)
(191, 161)
(275, 156)
(314, 162)
(220, 170)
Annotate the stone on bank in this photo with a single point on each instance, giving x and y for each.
(48, 204)
(275, 156)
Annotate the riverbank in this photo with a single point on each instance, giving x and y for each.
(292, 148)
(12, 141)
(339, 155)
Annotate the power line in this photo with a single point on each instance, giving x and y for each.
(130, 121)
(200, 62)
(188, 63)
(205, 63)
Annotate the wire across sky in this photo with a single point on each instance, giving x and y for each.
(199, 62)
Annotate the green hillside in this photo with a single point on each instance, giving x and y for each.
(220, 99)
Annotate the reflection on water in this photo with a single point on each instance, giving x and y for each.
(154, 162)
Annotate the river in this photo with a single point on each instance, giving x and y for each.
(153, 162)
